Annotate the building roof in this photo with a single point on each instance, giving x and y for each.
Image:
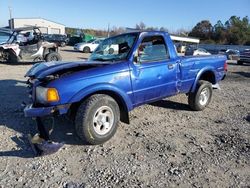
(38, 18)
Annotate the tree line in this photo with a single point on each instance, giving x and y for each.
(234, 31)
(110, 31)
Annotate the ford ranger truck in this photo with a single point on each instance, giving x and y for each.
(123, 72)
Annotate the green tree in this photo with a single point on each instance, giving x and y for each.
(219, 33)
(202, 30)
(237, 30)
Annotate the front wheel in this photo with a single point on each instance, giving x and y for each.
(97, 119)
(201, 97)
(53, 56)
(12, 58)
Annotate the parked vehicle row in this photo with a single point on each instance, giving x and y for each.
(196, 51)
(240, 57)
(230, 53)
(244, 57)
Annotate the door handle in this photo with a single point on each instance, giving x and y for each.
(170, 66)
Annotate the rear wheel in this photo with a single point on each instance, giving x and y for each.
(86, 49)
(97, 119)
(201, 97)
(53, 56)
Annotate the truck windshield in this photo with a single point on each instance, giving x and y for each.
(115, 48)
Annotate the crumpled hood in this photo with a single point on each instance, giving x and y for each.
(41, 70)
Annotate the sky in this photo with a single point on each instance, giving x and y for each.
(98, 14)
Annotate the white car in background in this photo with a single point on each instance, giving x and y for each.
(201, 51)
(87, 47)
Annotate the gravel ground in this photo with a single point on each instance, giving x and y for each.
(165, 145)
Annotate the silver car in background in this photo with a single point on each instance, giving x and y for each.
(88, 47)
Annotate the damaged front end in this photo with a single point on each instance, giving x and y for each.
(41, 142)
(47, 98)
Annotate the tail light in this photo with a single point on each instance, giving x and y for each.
(225, 66)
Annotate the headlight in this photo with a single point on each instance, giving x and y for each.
(45, 95)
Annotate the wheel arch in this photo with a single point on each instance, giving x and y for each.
(122, 100)
(207, 74)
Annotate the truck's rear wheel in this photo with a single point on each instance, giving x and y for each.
(201, 97)
(97, 119)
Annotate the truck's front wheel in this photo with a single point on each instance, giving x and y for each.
(201, 97)
(97, 119)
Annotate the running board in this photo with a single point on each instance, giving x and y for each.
(216, 86)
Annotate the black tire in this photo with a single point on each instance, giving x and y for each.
(195, 99)
(12, 58)
(53, 56)
(86, 49)
(111, 50)
(86, 127)
(240, 62)
(38, 59)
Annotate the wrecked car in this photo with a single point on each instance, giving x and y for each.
(26, 44)
(100, 92)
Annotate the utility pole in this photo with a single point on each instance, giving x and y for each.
(108, 30)
(11, 23)
(10, 11)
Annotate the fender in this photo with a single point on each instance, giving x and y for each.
(102, 87)
(205, 69)
(12, 47)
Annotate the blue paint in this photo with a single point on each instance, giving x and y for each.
(135, 84)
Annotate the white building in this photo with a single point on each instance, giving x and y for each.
(46, 26)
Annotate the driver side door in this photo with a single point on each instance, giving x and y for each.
(153, 73)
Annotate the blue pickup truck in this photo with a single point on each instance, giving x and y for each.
(123, 72)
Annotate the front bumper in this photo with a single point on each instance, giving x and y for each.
(30, 111)
(76, 48)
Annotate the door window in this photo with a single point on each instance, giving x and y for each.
(152, 49)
